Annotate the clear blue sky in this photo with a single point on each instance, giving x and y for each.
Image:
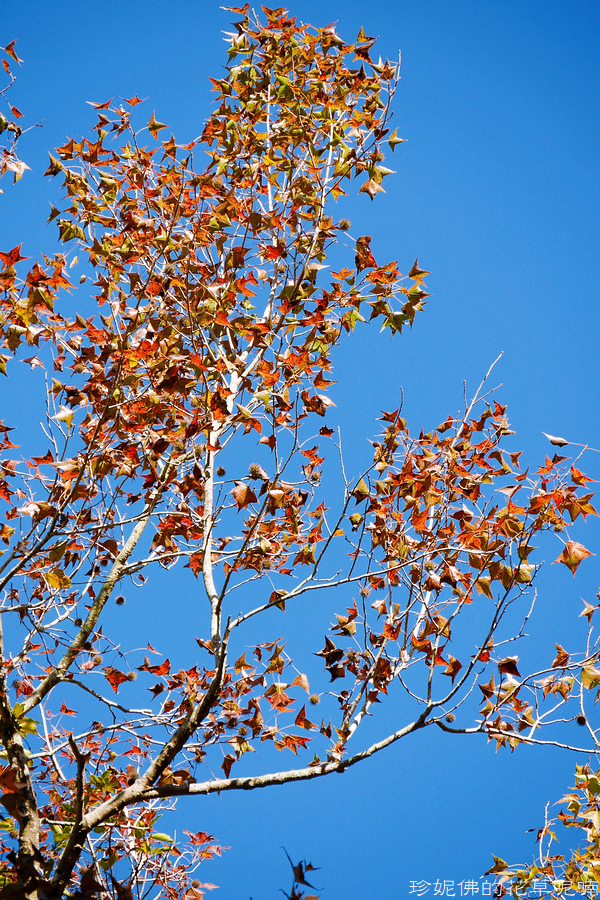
(497, 192)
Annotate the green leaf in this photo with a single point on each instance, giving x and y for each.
(28, 726)
(56, 578)
(395, 321)
(524, 573)
(154, 127)
(593, 785)
(394, 140)
(350, 318)
(54, 168)
(590, 677)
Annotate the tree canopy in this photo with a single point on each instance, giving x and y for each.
(187, 396)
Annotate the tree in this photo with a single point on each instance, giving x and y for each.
(186, 427)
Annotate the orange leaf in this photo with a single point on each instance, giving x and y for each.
(114, 677)
(10, 50)
(572, 555)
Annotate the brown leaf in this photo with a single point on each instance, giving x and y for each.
(562, 658)
(243, 495)
(508, 666)
(88, 886)
(453, 667)
(364, 259)
(588, 611)
(123, 891)
(371, 187)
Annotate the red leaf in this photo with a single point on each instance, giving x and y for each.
(163, 669)
(301, 721)
(114, 677)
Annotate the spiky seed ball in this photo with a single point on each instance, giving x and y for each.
(220, 471)
(242, 731)
(450, 717)
(257, 471)
(120, 600)
(344, 224)
(131, 676)
(77, 623)
(314, 699)
(581, 719)
(97, 659)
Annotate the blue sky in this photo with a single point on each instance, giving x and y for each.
(497, 193)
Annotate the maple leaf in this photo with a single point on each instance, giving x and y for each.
(9, 782)
(588, 611)
(499, 866)
(371, 187)
(14, 165)
(10, 49)
(34, 362)
(453, 667)
(508, 666)
(364, 259)
(394, 140)
(243, 495)
(562, 658)
(114, 677)
(154, 127)
(13, 256)
(572, 555)
(416, 273)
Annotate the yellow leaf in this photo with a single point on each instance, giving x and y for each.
(64, 415)
(56, 578)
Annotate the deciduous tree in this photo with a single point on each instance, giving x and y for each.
(188, 390)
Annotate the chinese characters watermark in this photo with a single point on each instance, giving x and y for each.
(480, 888)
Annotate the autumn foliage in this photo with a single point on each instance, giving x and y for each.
(188, 390)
